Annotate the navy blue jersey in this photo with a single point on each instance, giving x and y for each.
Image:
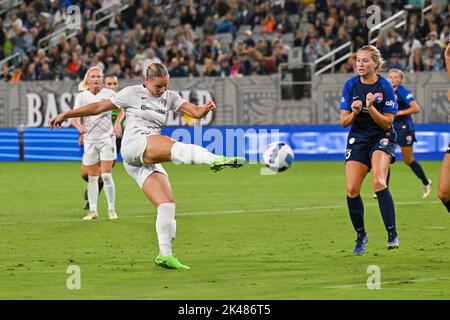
(404, 97)
(364, 127)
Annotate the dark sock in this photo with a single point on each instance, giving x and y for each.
(386, 204)
(417, 169)
(447, 205)
(356, 210)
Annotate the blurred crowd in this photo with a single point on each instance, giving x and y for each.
(209, 37)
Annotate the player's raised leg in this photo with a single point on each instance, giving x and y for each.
(444, 182)
(157, 189)
(355, 173)
(408, 158)
(162, 148)
(380, 166)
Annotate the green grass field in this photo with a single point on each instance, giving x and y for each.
(245, 236)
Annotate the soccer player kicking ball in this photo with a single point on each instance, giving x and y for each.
(368, 104)
(144, 148)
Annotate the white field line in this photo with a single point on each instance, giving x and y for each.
(364, 285)
(298, 209)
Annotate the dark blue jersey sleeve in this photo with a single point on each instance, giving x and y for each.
(405, 95)
(390, 102)
(345, 98)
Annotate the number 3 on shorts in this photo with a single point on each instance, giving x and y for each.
(348, 153)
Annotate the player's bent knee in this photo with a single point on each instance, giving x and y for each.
(379, 184)
(107, 177)
(353, 192)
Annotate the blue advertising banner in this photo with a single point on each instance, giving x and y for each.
(316, 142)
(9, 145)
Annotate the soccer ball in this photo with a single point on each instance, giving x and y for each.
(278, 156)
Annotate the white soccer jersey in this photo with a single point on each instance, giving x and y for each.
(99, 127)
(144, 113)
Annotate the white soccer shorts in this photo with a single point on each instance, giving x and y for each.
(99, 151)
(132, 154)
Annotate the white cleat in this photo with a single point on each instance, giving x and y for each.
(112, 215)
(91, 216)
(427, 190)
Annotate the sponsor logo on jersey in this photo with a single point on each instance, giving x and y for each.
(378, 97)
(145, 107)
(342, 99)
(384, 142)
(390, 103)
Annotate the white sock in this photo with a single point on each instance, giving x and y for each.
(164, 227)
(173, 229)
(191, 154)
(92, 193)
(110, 190)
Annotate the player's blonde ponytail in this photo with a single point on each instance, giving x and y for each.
(83, 85)
(376, 56)
(157, 70)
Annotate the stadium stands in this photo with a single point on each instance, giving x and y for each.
(207, 37)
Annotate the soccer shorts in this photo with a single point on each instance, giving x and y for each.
(132, 154)
(99, 151)
(405, 138)
(362, 151)
(448, 149)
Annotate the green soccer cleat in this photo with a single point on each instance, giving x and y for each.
(170, 262)
(221, 162)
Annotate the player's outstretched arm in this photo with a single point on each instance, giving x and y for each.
(87, 110)
(197, 112)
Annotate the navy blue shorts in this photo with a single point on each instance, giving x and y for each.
(448, 149)
(362, 151)
(405, 138)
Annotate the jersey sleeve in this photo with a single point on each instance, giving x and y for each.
(345, 98)
(174, 100)
(405, 95)
(122, 98)
(390, 102)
